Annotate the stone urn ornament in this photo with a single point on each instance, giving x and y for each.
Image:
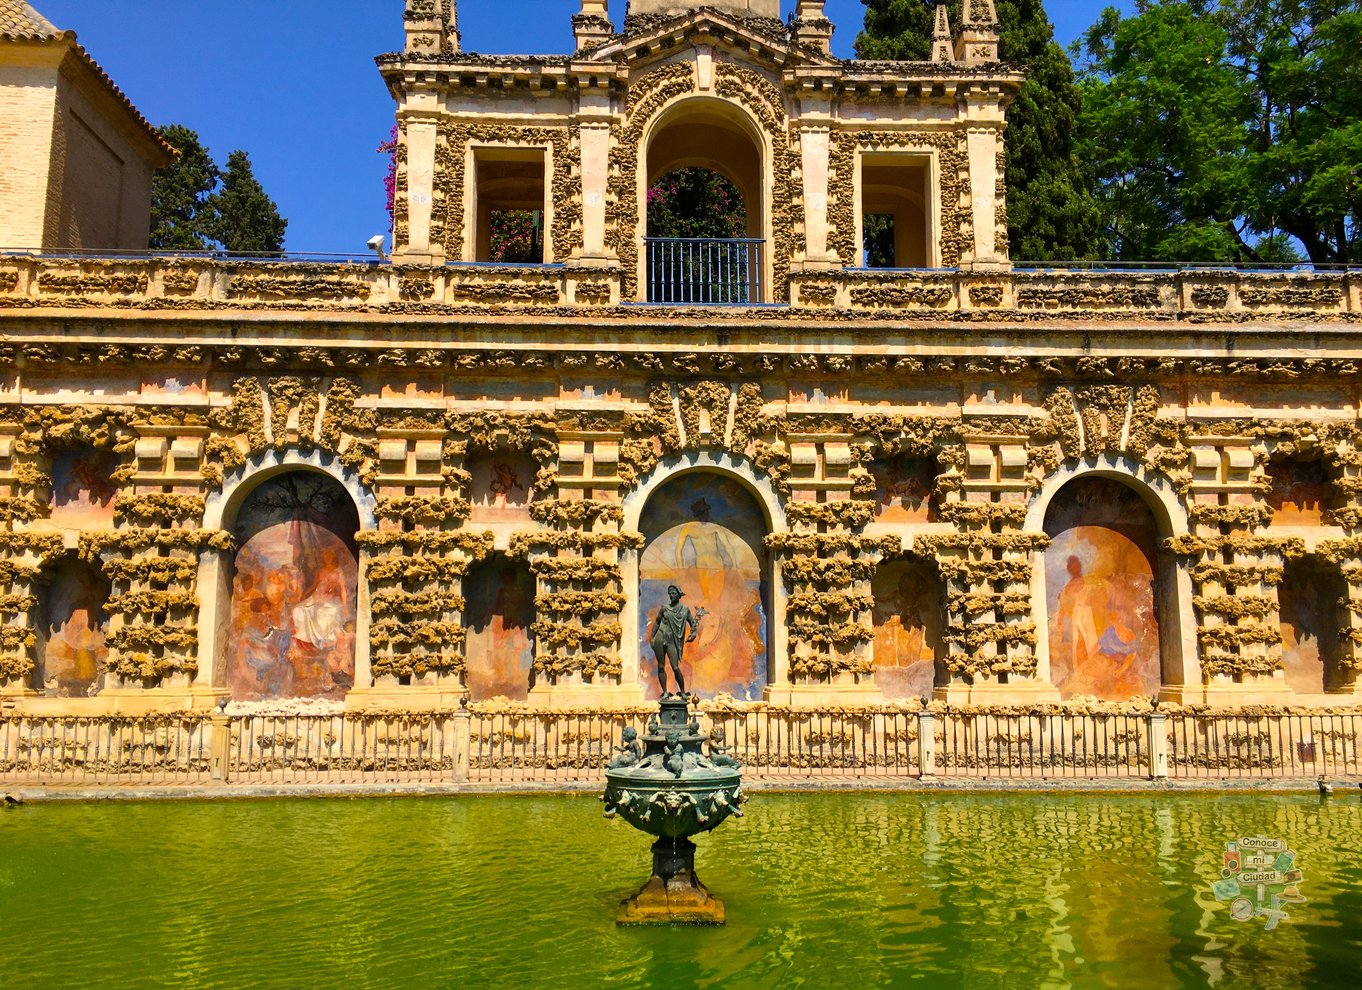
(673, 783)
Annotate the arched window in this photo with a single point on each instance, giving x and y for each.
(704, 534)
(1104, 587)
(294, 590)
(705, 215)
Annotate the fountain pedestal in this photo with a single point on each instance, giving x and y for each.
(673, 784)
(673, 895)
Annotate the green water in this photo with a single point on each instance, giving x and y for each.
(838, 890)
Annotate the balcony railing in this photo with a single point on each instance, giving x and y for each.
(704, 271)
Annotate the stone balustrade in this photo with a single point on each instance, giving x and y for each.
(186, 284)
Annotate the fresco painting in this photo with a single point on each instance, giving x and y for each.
(907, 619)
(903, 489)
(1310, 623)
(294, 593)
(1099, 582)
(704, 534)
(500, 611)
(501, 486)
(82, 492)
(1300, 490)
(75, 626)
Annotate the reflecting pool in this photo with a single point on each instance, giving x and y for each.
(941, 890)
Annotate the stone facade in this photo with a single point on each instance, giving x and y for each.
(76, 158)
(986, 485)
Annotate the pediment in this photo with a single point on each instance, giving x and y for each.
(739, 39)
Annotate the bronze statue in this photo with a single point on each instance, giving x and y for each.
(675, 753)
(668, 638)
(718, 752)
(630, 753)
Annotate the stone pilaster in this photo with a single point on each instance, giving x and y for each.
(988, 567)
(413, 567)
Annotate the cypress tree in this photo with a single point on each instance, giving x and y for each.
(241, 217)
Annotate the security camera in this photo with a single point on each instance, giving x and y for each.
(376, 242)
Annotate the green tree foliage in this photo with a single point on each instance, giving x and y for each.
(1052, 214)
(179, 192)
(1228, 130)
(897, 30)
(198, 206)
(241, 217)
(696, 202)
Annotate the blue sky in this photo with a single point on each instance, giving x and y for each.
(293, 83)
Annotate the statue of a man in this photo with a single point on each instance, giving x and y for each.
(668, 638)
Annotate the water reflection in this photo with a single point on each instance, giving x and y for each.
(977, 891)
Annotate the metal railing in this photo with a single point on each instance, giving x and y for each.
(1043, 746)
(704, 271)
(545, 746)
(790, 743)
(65, 750)
(514, 746)
(351, 748)
(1228, 746)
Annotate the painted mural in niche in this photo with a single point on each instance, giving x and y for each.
(704, 534)
(908, 625)
(1311, 624)
(293, 596)
(500, 611)
(1300, 490)
(82, 492)
(74, 626)
(501, 486)
(903, 489)
(1100, 589)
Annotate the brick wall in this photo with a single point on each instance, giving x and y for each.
(28, 97)
(104, 183)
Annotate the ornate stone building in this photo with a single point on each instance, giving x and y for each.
(396, 484)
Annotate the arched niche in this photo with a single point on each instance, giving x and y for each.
(83, 490)
(703, 533)
(909, 621)
(499, 613)
(1107, 591)
(72, 628)
(1312, 623)
(716, 134)
(293, 607)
